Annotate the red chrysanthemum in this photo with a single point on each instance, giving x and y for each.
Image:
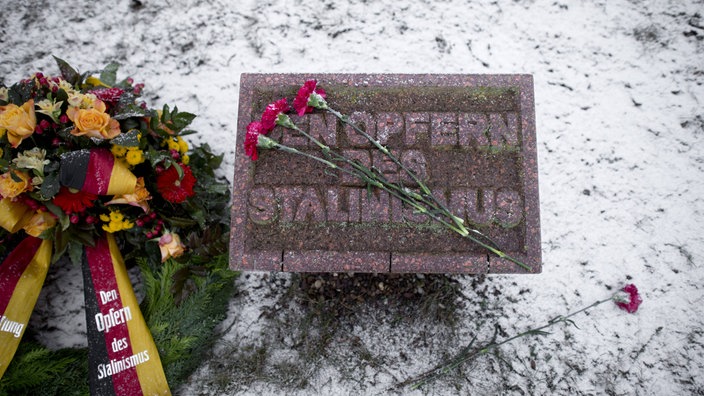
(300, 104)
(254, 129)
(172, 188)
(108, 95)
(634, 299)
(74, 202)
(272, 111)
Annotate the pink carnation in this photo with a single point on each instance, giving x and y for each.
(272, 112)
(254, 129)
(300, 104)
(634, 299)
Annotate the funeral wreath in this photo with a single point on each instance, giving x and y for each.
(88, 171)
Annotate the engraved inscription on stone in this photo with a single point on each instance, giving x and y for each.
(467, 143)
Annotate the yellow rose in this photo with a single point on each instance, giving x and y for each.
(93, 122)
(40, 222)
(18, 121)
(9, 188)
(170, 246)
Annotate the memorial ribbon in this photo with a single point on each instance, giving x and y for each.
(97, 172)
(122, 356)
(22, 274)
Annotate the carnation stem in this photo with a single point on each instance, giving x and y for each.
(432, 201)
(470, 353)
(407, 197)
(292, 150)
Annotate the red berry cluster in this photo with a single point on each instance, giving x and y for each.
(146, 220)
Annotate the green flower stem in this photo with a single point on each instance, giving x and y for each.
(381, 148)
(468, 353)
(292, 150)
(433, 202)
(286, 122)
(379, 181)
(409, 197)
(424, 188)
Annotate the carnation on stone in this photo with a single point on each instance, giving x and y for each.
(308, 97)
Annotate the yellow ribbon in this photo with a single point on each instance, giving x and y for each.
(14, 215)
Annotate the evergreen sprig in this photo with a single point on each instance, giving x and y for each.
(182, 326)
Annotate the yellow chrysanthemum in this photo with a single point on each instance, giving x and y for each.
(115, 222)
(116, 215)
(182, 145)
(134, 157)
(185, 159)
(173, 145)
(118, 151)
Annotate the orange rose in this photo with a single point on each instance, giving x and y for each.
(138, 198)
(170, 246)
(9, 188)
(93, 122)
(40, 222)
(18, 121)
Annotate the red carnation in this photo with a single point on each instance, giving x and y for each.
(254, 129)
(631, 302)
(300, 104)
(172, 188)
(108, 95)
(272, 112)
(74, 202)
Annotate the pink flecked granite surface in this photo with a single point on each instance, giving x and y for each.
(474, 135)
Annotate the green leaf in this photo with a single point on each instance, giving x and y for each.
(109, 75)
(67, 72)
(179, 169)
(180, 222)
(127, 139)
(75, 253)
(62, 96)
(51, 186)
(19, 93)
(181, 120)
(130, 111)
(60, 244)
(156, 157)
(165, 114)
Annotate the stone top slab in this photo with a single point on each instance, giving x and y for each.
(471, 138)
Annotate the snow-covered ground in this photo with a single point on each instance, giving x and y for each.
(619, 96)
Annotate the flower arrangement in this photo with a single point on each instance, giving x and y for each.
(88, 170)
(82, 153)
(311, 97)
